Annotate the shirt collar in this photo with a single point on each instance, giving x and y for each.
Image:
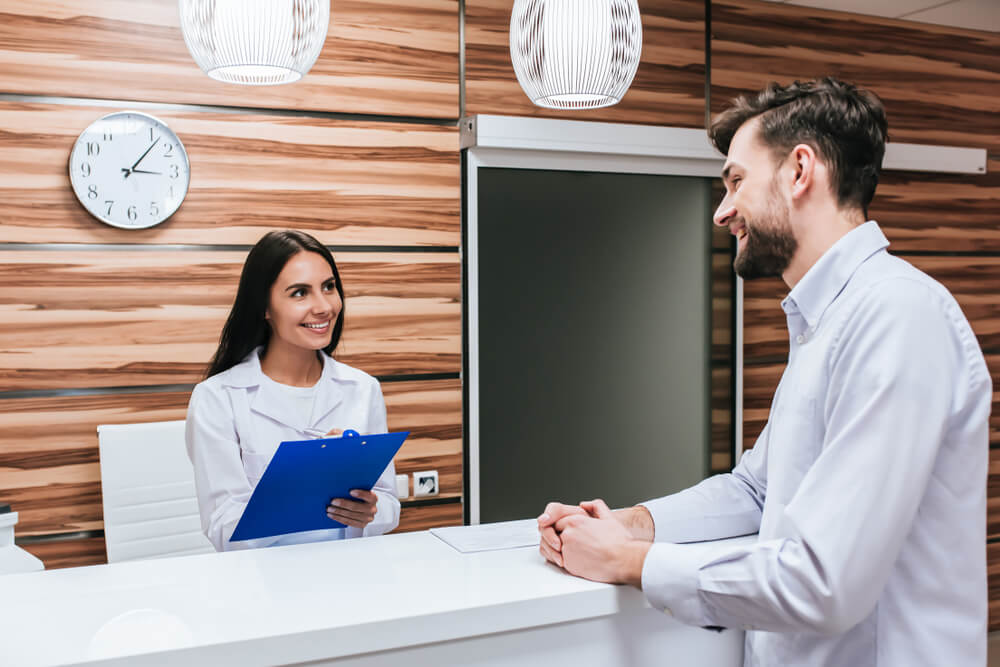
(825, 279)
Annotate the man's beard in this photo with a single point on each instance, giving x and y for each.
(769, 244)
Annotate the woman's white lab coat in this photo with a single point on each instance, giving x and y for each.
(235, 422)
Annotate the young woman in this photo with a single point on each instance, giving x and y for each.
(272, 379)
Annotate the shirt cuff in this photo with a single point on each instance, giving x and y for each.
(671, 580)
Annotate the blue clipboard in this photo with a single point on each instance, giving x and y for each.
(305, 475)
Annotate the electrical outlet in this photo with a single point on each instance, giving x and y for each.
(402, 486)
(425, 483)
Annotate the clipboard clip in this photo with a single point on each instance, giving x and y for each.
(318, 433)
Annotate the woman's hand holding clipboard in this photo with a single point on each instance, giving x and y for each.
(357, 513)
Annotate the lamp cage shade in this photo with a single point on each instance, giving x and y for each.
(255, 42)
(575, 54)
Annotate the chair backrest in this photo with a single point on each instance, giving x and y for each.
(150, 507)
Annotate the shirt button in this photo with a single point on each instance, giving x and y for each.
(667, 612)
(800, 339)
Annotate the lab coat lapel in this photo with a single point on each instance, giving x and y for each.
(269, 401)
(265, 398)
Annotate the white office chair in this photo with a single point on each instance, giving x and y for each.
(150, 507)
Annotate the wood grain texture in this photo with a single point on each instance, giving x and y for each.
(432, 412)
(429, 516)
(380, 57)
(346, 182)
(993, 574)
(993, 495)
(722, 419)
(668, 89)
(723, 290)
(108, 318)
(933, 212)
(49, 463)
(75, 552)
(759, 383)
(974, 282)
(993, 363)
(939, 84)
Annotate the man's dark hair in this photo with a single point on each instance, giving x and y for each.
(845, 125)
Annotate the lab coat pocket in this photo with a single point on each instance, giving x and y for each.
(255, 465)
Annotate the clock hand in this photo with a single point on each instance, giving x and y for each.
(132, 168)
(143, 171)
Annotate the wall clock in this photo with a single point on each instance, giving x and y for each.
(129, 170)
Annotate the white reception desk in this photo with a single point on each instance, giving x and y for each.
(408, 600)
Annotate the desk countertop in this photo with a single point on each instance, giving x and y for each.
(289, 604)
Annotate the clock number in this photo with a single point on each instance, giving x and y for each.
(92, 192)
(154, 210)
(174, 172)
(132, 213)
(110, 203)
(94, 148)
(85, 169)
(107, 136)
(151, 137)
(170, 151)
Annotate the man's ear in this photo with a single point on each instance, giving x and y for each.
(803, 163)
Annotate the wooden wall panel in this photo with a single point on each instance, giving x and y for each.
(723, 285)
(431, 411)
(380, 57)
(668, 89)
(931, 212)
(993, 574)
(424, 517)
(722, 420)
(72, 552)
(109, 318)
(722, 362)
(49, 463)
(939, 84)
(993, 362)
(765, 330)
(346, 182)
(993, 494)
(759, 383)
(974, 281)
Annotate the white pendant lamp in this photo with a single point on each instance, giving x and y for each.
(575, 54)
(255, 42)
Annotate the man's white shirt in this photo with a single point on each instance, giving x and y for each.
(867, 486)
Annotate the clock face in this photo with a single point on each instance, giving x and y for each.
(129, 170)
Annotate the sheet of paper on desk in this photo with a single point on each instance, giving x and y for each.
(490, 536)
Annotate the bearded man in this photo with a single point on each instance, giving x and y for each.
(867, 486)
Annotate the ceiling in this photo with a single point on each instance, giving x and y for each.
(973, 14)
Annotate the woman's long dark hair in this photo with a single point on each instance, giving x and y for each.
(246, 328)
